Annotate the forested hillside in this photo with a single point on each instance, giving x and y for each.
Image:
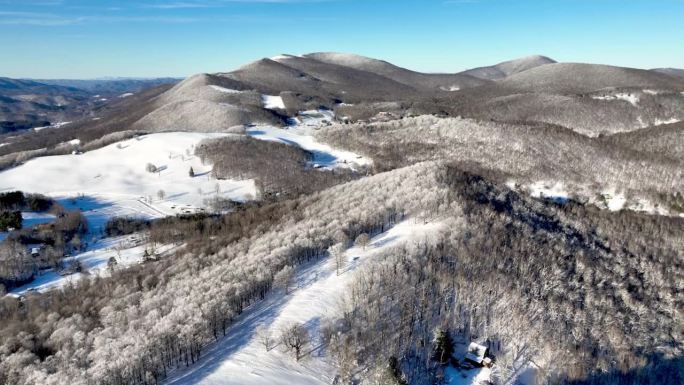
(331, 218)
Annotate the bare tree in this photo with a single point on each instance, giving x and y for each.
(283, 278)
(295, 337)
(362, 240)
(264, 336)
(337, 252)
(161, 195)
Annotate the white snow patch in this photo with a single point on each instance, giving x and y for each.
(549, 190)
(127, 94)
(95, 262)
(225, 90)
(55, 125)
(475, 376)
(613, 200)
(281, 57)
(75, 142)
(31, 219)
(116, 176)
(313, 118)
(324, 156)
(651, 92)
(273, 102)
(641, 122)
(450, 88)
(633, 99)
(241, 359)
(659, 122)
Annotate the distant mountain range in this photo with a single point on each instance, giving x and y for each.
(110, 86)
(586, 98)
(27, 103)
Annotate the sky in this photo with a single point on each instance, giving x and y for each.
(152, 38)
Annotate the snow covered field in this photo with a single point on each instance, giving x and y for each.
(272, 102)
(300, 133)
(115, 178)
(127, 250)
(632, 99)
(241, 359)
(608, 199)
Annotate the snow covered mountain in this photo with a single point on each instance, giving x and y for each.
(336, 219)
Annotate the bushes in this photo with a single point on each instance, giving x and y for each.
(13, 200)
(10, 220)
(17, 200)
(124, 226)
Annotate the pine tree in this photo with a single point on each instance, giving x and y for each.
(444, 346)
(191, 173)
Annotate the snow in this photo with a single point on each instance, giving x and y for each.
(659, 122)
(31, 218)
(613, 201)
(554, 191)
(651, 92)
(641, 121)
(55, 125)
(476, 376)
(313, 118)
(272, 102)
(127, 94)
(525, 375)
(114, 179)
(240, 358)
(75, 142)
(301, 135)
(633, 99)
(281, 57)
(451, 88)
(225, 90)
(95, 261)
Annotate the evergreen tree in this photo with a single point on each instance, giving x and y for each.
(191, 173)
(444, 346)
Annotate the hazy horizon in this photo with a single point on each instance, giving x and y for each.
(80, 39)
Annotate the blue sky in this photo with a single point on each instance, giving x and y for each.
(93, 38)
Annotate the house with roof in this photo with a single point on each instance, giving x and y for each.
(478, 354)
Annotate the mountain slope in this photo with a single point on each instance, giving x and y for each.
(578, 78)
(444, 82)
(670, 71)
(507, 68)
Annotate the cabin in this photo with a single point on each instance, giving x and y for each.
(478, 354)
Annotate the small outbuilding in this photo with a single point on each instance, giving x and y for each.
(477, 354)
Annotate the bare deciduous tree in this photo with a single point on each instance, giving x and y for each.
(294, 337)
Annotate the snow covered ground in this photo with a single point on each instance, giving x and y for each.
(241, 359)
(632, 99)
(300, 133)
(554, 191)
(224, 90)
(30, 219)
(55, 125)
(475, 376)
(608, 199)
(273, 102)
(114, 178)
(127, 250)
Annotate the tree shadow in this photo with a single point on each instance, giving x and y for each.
(659, 370)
